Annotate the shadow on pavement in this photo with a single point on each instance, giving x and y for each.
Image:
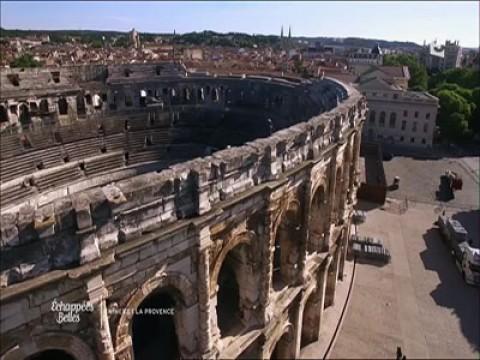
(471, 222)
(452, 293)
(367, 205)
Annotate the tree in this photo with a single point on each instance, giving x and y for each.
(418, 72)
(456, 127)
(465, 78)
(25, 61)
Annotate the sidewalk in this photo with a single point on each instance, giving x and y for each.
(331, 318)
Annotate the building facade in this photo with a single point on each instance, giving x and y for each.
(126, 212)
(401, 117)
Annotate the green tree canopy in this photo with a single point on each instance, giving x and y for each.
(418, 72)
(24, 61)
(465, 78)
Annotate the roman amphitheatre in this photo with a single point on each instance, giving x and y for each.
(224, 198)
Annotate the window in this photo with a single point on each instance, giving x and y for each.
(393, 119)
(414, 126)
(402, 138)
(382, 119)
(416, 114)
(374, 94)
(372, 117)
(412, 140)
(425, 128)
(395, 96)
(128, 100)
(404, 124)
(405, 113)
(424, 141)
(427, 116)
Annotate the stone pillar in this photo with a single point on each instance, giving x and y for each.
(344, 250)
(97, 294)
(355, 170)
(322, 273)
(331, 194)
(267, 265)
(206, 344)
(306, 206)
(332, 277)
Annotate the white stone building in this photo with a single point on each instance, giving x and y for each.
(399, 116)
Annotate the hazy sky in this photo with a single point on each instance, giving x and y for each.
(401, 20)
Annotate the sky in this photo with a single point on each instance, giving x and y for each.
(389, 20)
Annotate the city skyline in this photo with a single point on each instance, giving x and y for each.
(395, 21)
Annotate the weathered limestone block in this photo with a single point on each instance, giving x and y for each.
(45, 221)
(107, 235)
(26, 231)
(89, 248)
(9, 230)
(28, 270)
(81, 203)
(113, 195)
(64, 213)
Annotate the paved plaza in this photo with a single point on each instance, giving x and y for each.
(420, 180)
(419, 301)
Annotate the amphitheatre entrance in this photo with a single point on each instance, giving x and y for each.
(153, 334)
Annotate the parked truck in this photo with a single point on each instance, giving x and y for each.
(465, 255)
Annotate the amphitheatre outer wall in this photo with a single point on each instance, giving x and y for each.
(268, 220)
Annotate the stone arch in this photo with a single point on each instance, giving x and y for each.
(319, 219)
(283, 345)
(70, 344)
(242, 238)
(231, 283)
(180, 288)
(287, 245)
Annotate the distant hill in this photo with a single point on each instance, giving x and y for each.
(205, 38)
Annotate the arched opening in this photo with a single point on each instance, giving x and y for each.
(319, 222)
(228, 299)
(53, 354)
(24, 117)
(81, 110)
(62, 106)
(154, 333)
(287, 248)
(311, 319)
(3, 114)
(44, 108)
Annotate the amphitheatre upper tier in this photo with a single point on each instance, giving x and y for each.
(120, 150)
